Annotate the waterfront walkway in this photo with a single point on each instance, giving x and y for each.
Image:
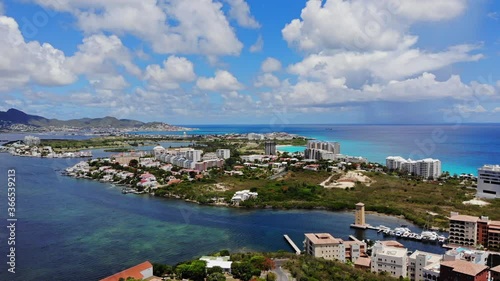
(297, 250)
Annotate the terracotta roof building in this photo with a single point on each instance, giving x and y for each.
(140, 271)
(495, 273)
(324, 245)
(463, 270)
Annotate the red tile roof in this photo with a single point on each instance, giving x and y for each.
(363, 262)
(134, 272)
(465, 267)
(496, 269)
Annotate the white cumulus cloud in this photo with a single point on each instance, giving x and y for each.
(240, 11)
(223, 81)
(267, 80)
(175, 70)
(23, 62)
(200, 25)
(270, 65)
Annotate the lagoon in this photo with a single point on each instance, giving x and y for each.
(71, 228)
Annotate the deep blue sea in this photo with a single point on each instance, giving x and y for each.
(71, 229)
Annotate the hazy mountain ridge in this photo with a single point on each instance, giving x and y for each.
(13, 117)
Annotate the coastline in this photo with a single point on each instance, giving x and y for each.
(258, 207)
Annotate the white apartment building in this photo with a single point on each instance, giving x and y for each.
(419, 261)
(324, 245)
(393, 260)
(463, 230)
(394, 162)
(223, 153)
(488, 181)
(194, 155)
(240, 196)
(426, 168)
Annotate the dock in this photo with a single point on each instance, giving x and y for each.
(297, 250)
(354, 238)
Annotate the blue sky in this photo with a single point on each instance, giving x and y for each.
(237, 61)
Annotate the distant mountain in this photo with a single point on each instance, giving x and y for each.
(13, 117)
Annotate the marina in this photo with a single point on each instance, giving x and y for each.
(405, 233)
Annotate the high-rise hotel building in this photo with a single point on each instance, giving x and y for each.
(488, 181)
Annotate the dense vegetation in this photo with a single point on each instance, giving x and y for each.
(424, 203)
(259, 266)
(308, 268)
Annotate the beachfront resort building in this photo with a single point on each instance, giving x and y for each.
(427, 168)
(393, 260)
(320, 150)
(324, 245)
(488, 181)
(270, 148)
(420, 263)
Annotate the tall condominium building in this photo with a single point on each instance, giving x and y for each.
(223, 153)
(426, 168)
(393, 260)
(324, 145)
(472, 231)
(463, 230)
(194, 155)
(270, 147)
(488, 181)
(321, 150)
(324, 245)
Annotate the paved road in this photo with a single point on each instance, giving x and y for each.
(280, 272)
(280, 173)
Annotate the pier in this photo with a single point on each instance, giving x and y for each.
(297, 250)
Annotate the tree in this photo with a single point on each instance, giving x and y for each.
(242, 270)
(271, 276)
(224, 253)
(215, 269)
(133, 163)
(216, 276)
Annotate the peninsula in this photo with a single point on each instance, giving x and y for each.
(14, 120)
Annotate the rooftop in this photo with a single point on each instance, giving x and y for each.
(222, 262)
(465, 267)
(430, 257)
(464, 218)
(322, 238)
(496, 269)
(134, 272)
(392, 243)
(494, 168)
(363, 262)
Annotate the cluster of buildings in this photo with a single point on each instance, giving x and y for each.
(320, 150)
(189, 158)
(394, 259)
(144, 271)
(471, 231)
(488, 181)
(31, 140)
(427, 168)
(240, 196)
(19, 149)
